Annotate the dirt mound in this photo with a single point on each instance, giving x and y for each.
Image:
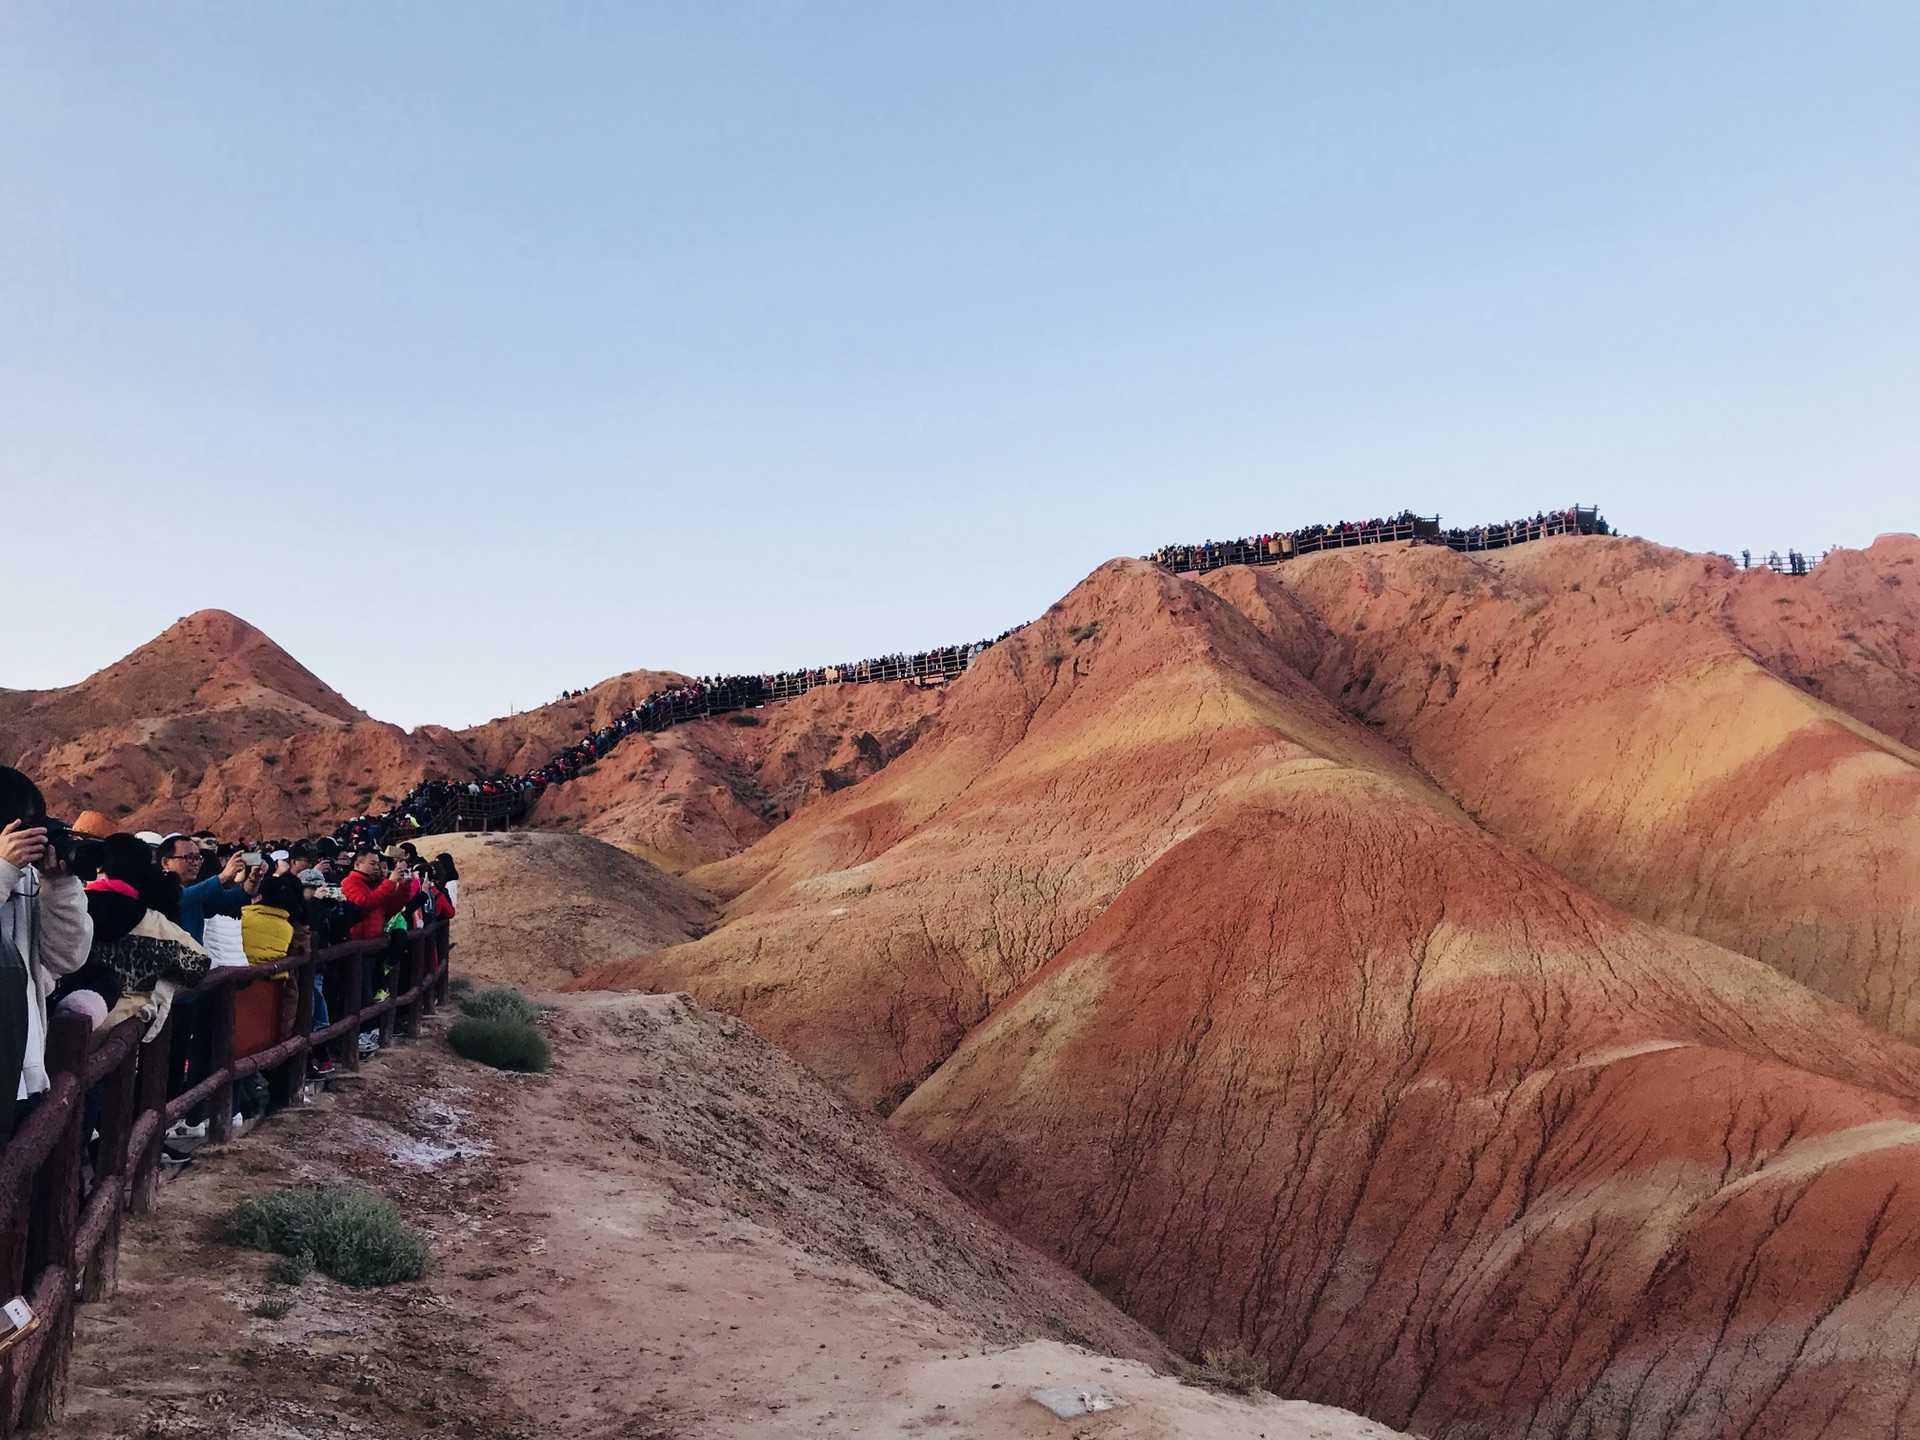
(1203, 986)
(1661, 727)
(632, 1245)
(538, 909)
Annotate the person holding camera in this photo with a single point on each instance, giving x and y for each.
(45, 932)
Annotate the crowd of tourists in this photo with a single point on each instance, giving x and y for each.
(112, 925)
(438, 805)
(1280, 545)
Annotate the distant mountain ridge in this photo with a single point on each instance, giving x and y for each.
(213, 724)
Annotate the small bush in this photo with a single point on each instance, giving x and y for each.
(272, 1307)
(1237, 1371)
(463, 984)
(290, 1269)
(503, 1044)
(502, 1004)
(353, 1235)
(1085, 632)
(741, 720)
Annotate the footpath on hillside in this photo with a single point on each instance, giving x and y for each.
(676, 1232)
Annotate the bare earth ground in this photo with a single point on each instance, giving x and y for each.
(539, 907)
(676, 1232)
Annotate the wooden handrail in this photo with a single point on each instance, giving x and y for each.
(52, 1243)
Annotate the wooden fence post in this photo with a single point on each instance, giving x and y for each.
(220, 1102)
(412, 972)
(118, 1099)
(155, 1064)
(353, 994)
(54, 1218)
(388, 961)
(291, 1073)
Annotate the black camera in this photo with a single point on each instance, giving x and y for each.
(60, 838)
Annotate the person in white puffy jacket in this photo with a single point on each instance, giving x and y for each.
(45, 932)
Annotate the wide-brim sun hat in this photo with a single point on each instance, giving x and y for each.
(92, 823)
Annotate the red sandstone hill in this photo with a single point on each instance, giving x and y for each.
(702, 791)
(209, 724)
(1695, 743)
(1202, 984)
(1295, 974)
(212, 724)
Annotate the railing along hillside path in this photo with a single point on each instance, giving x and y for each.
(60, 1234)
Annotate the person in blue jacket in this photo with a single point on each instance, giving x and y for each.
(180, 858)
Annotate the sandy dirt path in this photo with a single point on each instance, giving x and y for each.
(674, 1233)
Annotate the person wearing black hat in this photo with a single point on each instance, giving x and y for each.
(45, 932)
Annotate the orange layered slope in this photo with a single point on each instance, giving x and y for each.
(1659, 726)
(1453, 1144)
(873, 930)
(1207, 988)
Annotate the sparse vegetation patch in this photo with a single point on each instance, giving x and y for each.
(503, 1044)
(504, 1003)
(354, 1235)
(1237, 1371)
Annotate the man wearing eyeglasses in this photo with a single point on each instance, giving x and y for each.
(180, 858)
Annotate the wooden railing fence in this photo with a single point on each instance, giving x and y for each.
(60, 1247)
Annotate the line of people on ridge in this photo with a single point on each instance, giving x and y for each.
(111, 925)
(436, 805)
(1794, 562)
(1421, 529)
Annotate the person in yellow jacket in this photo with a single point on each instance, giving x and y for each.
(266, 926)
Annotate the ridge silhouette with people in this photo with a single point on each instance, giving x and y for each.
(437, 805)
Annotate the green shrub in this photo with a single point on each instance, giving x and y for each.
(503, 1044)
(463, 984)
(501, 1004)
(1237, 1370)
(353, 1235)
(272, 1307)
(290, 1269)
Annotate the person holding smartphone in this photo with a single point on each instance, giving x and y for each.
(180, 857)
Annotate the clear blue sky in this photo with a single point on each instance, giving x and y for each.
(721, 337)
